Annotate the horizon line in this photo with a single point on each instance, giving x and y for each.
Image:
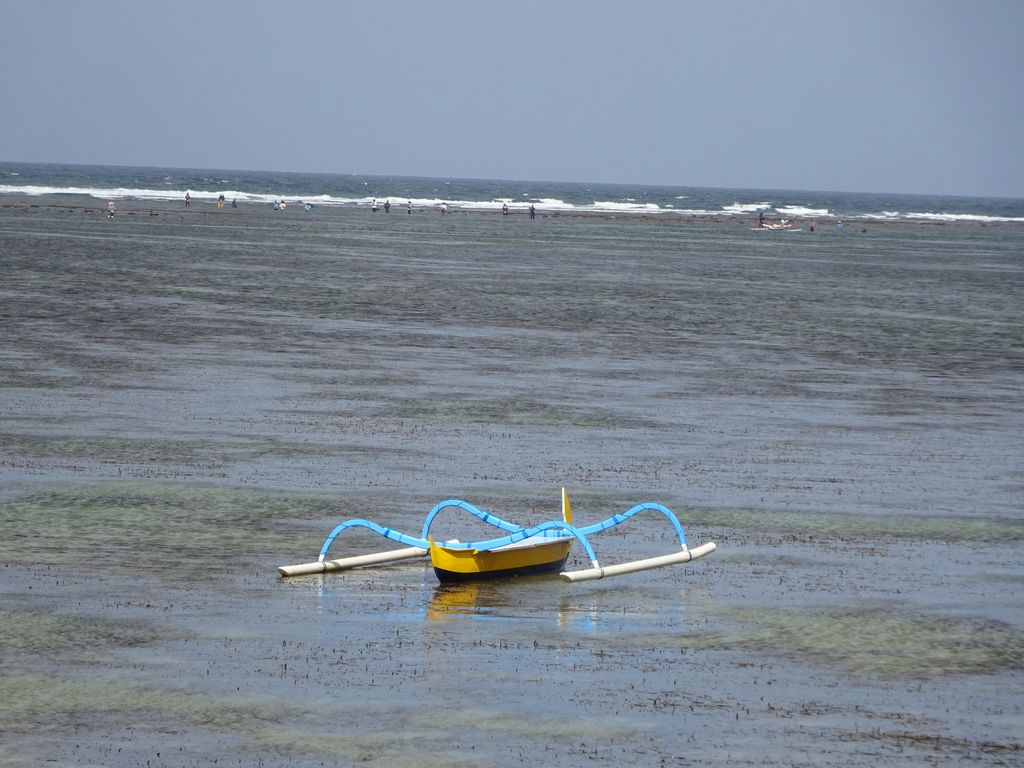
(515, 180)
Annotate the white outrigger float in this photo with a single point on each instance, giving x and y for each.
(542, 548)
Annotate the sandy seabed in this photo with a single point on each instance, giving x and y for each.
(190, 398)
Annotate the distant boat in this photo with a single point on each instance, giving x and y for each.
(784, 224)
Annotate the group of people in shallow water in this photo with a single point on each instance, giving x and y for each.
(280, 205)
(786, 224)
(374, 207)
(505, 210)
(220, 201)
(387, 206)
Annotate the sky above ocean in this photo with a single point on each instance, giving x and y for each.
(912, 97)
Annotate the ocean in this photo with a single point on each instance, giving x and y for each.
(163, 184)
(193, 396)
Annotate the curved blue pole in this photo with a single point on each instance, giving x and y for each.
(622, 517)
(387, 533)
(487, 517)
(411, 541)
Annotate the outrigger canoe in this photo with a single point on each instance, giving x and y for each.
(782, 224)
(542, 548)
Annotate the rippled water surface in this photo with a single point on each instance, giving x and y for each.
(190, 399)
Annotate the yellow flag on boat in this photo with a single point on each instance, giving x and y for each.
(566, 509)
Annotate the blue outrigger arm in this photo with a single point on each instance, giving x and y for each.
(597, 572)
(558, 529)
(387, 533)
(487, 517)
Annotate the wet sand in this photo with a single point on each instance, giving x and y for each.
(191, 398)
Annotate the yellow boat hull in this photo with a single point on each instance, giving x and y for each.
(536, 555)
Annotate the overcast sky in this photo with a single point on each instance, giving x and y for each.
(890, 96)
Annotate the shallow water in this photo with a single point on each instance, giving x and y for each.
(190, 401)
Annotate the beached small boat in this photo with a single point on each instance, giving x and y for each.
(542, 548)
(784, 225)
